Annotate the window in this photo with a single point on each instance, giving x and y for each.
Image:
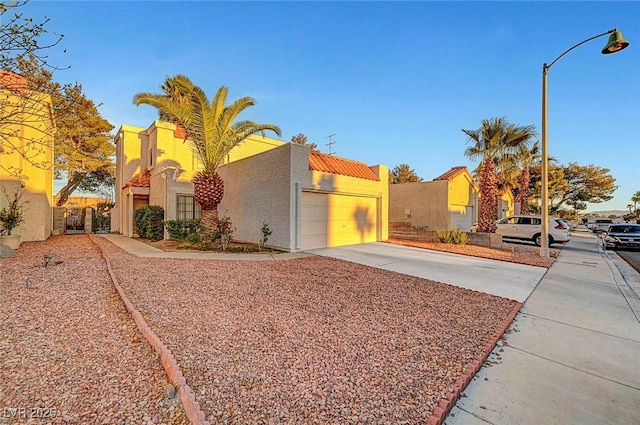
(188, 209)
(151, 158)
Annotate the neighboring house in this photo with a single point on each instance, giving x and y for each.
(26, 153)
(309, 199)
(506, 204)
(450, 200)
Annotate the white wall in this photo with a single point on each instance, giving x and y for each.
(259, 188)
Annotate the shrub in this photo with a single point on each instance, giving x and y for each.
(183, 230)
(147, 222)
(12, 215)
(454, 236)
(224, 231)
(266, 232)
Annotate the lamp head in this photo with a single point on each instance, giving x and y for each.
(615, 44)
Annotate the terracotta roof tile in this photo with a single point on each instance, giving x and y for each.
(12, 81)
(452, 173)
(142, 179)
(336, 165)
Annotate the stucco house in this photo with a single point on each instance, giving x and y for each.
(309, 199)
(506, 204)
(27, 129)
(450, 200)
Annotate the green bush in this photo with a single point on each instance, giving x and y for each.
(147, 222)
(454, 236)
(183, 230)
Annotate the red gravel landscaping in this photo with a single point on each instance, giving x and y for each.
(312, 340)
(514, 253)
(69, 351)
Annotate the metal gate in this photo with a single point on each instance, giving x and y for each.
(101, 222)
(74, 221)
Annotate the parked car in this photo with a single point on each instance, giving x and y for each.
(528, 227)
(622, 236)
(601, 224)
(567, 223)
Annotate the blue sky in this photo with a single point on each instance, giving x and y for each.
(394, 81)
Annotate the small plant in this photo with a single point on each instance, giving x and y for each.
(147, 222)
(224, 231)
(453, 236)
(12, 215)
(266, 232)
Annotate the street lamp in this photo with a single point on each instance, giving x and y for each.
(615, 44)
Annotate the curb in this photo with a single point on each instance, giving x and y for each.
(446, 404)
(189, 403)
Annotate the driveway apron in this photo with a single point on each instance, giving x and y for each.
(508, 280)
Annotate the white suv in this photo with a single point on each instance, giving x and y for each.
(527, 227)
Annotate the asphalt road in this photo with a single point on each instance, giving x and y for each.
(631, 257)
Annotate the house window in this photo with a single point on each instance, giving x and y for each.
(151, 158)
(188, 209)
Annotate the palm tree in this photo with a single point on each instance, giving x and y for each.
(526, 158)
(212, 131)
(635, 198)
(496, 142)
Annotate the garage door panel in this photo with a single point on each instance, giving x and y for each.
(335, 220)
(462, 219)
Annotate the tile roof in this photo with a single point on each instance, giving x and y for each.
(142, 179)
(336, 165)
(12, 81)
(452, 173)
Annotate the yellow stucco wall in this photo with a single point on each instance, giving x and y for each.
(354, 210)
(33, 170)
(462, 192)
(156, 148)
(171, 162)
(507, 206)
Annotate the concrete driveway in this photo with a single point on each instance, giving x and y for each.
(508, 280)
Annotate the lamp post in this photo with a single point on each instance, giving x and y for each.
(615, 44)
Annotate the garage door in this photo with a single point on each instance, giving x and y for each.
(463, 218)
(329, 219)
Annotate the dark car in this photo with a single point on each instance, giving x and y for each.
(622, 236)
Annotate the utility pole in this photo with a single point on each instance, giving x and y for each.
(331, 143)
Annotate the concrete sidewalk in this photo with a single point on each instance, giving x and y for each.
(571, 356)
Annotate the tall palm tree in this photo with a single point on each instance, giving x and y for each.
(635, 198)
(212, 131)
(496, 143)
(526, 158)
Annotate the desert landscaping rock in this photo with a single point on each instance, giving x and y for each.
(312, 340)
(511, 252)
(69, 348)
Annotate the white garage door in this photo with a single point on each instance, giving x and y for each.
(328, 219)
(463, 218)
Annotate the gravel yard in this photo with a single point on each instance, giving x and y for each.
(312, 340)
(70, 352)
(512, 252)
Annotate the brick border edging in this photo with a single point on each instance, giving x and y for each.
(189, 403)
(444, 407)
